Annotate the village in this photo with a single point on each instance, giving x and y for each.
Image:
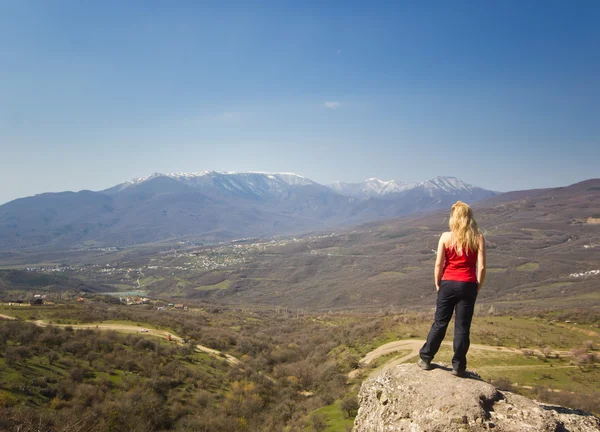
(173, 262)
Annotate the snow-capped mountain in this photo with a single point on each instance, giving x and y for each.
(257, 184)
(369, 188)
(450, 185)
(268, 185)
(375, 188)
(215, 206)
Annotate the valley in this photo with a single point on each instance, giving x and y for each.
(281, 331)
(539, 256)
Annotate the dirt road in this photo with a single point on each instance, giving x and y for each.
(126, 328)
(415, 345)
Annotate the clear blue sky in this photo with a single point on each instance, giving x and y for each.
(503, 94)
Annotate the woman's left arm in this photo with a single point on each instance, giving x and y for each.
(439, 263)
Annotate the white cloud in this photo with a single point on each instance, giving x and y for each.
(332, 105)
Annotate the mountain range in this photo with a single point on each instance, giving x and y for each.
(215, 206)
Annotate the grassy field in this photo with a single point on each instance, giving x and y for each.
(219, 286)
(524, 371)
(532, 266)
(337, 420)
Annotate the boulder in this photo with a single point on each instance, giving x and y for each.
(407, 398)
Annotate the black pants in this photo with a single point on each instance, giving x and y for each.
(452, 295)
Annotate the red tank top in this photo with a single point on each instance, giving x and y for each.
(460, 267)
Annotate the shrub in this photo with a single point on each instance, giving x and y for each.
(350, 405)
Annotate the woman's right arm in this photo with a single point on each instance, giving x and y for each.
(439, 263)
(481, 263)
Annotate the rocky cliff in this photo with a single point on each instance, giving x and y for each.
(406, 398)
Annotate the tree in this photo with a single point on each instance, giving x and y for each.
(242, 400)
(350, 405)
(582, 358)
(52, 357)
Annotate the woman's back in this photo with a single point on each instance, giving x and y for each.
(460, 267)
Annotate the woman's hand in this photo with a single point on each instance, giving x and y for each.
(437, 287)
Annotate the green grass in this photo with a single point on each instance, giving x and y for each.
(121, 287)
(560, 284)
(336, 420)
(496, 270)
(561, 302)
(527, 370)
(115, 377)
(529, 332)
(411, 268)
(22, 374)
(531, 266)
(219, 286)
(182, 283)
(380, 361)
(150, 280)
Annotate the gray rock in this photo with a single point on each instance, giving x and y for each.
(406, 398)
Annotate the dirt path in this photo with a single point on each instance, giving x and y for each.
(231, 359)
(513, 367)
(126, 328)
(415, 345)
(548, 389)
(579, 330)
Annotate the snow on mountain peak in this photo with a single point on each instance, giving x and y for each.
(260, 183)
(373, 187)
(250, 183)
(447, 184)
(288, 177)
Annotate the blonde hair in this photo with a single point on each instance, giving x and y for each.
(465, 232)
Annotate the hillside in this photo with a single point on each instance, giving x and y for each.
(95, 368)
(22, 285)
(535, 245)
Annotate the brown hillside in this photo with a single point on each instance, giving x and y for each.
(534, 246)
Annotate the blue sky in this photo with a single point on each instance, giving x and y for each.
(503, 94)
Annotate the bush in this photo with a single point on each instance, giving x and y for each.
(350, 405)
(318, 422)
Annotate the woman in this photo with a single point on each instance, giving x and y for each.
(459, 276)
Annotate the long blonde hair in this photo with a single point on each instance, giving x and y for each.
(465, 232)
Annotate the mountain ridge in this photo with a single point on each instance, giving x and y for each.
(211, 206)
(372, 187)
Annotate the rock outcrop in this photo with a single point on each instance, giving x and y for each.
(406, 398)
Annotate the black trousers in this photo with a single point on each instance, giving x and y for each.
(459, 296)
